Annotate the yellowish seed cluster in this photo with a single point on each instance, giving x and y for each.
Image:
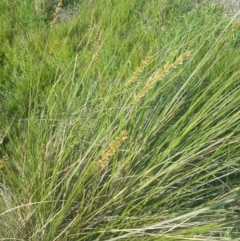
(51, 51)
(108, 153)
(167, 67)
(90, 31)
(235, 26)
(140, 69)
(3, 161)
(57, 11)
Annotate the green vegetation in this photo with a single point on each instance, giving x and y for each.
(119, 121)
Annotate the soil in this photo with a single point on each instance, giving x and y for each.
(230, 6)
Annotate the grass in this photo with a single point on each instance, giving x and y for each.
(119, 120)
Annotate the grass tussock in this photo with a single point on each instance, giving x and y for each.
(120, 122)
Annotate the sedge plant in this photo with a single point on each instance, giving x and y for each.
(121, 123)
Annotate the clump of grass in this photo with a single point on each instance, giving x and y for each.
(175, 176)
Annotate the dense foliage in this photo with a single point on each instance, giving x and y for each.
(119, 120)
